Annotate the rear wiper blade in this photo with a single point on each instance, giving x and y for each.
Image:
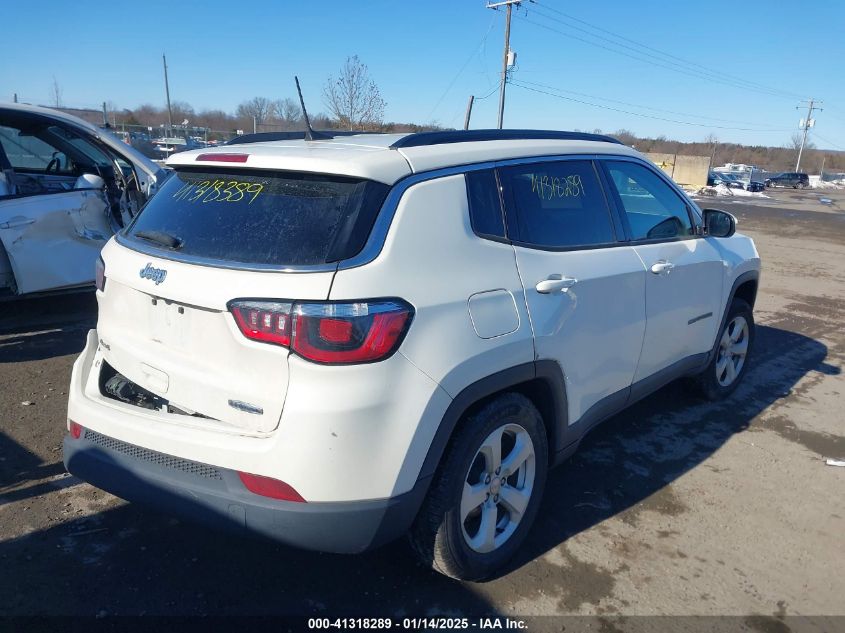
(161, 238)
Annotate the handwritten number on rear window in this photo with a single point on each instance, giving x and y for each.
(219, 191)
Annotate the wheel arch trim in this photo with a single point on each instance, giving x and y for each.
(749, 275)
(542, 372)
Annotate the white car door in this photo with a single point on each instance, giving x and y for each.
(685, 276)
(584, 289)
(52, 240)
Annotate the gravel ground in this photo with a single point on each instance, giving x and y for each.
(675, 507)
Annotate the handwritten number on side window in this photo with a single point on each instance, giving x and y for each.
(549, 188)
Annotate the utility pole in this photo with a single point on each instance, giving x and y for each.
(508, 4)
(469, 111)
(806, 125)
(167, 91)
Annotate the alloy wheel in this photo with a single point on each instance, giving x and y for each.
(733, 349)
(497, 488)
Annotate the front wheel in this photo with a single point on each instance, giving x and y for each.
(730, 361)
(486, 492)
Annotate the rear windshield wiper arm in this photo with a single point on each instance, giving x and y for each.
(161, 238)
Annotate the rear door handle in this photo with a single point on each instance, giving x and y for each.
(662, 266)
(555, 284)
(16, 222)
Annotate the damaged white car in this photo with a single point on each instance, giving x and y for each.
(65, 187)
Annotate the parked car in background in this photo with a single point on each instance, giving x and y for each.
(715, 178)
(789, 179)
(331, 343)
(165, 147)
(734, 181)
(65, 187)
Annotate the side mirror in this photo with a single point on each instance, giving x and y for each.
(719, 223)
(89, 181)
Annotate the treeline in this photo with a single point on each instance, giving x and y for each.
(768, 158)
(267, 115)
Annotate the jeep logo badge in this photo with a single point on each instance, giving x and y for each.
(155, 274)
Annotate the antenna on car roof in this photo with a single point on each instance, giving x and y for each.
(309, 133)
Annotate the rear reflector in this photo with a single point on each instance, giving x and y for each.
(329, 333)
(75, 429)
(267, 487)
(223, 158)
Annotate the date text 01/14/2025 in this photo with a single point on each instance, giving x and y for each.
(418, 624)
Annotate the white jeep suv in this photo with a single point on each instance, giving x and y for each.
(334, 342)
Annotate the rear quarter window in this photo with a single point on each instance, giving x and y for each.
(266, 218)
(485, 207)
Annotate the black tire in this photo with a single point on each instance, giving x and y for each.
(707, 382)
(437, 535)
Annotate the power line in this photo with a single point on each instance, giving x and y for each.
(661, 53)
(466, 63)
(831, 143)
(642, 107)
(520, 84)
(668, 65)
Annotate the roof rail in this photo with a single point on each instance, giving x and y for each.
(299, 135)
(423, 139)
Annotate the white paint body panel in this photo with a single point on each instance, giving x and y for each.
(178, 339)
(595, 328)
(432, 259)
(342, 448)
(677, 302)
(52, 241)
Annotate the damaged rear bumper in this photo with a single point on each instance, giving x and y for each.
(217, 498)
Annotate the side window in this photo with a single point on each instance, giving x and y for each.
(29, 153)
(485, 208)
(653, 210)
(556, 205)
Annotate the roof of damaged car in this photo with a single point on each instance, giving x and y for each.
(23, 113)
(389, 157)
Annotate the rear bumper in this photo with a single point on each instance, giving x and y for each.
(216, 497)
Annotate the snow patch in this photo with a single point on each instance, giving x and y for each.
(722, 190)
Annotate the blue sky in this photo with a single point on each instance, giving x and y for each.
(427, 58)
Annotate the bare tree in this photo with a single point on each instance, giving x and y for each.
(627, 137)
(795, 142)
(56, 93)
(261, 108)
(288, 111)
(353, 97)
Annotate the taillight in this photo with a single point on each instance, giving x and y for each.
(330, 333)
(75, 429)
(265, 321)
(267, 487)
(100, 274)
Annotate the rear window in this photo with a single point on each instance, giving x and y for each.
(267, 218)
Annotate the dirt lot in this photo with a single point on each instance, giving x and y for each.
(674, 507)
